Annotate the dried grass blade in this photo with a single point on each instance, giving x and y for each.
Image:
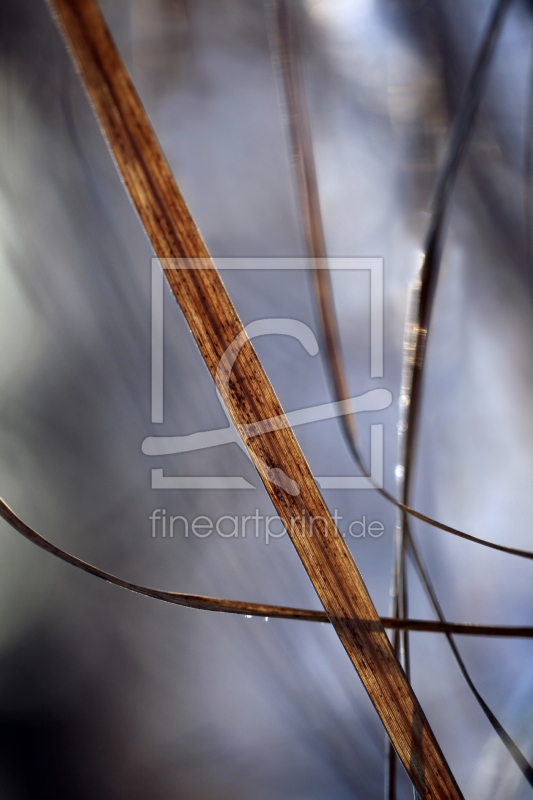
(521, 761)
(248, 395)
(423, 296)
(178, 598)
(218, 604)
(417, 328)
(288, 49)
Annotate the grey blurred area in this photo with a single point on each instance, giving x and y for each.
(106, 694)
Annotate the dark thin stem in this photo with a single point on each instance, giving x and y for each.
(302, 151)
(512, 747)
(391, 760)
(423, 293)
(430, 268)
(418, 327)
(250, 609)
(288, 49)
(417, 330)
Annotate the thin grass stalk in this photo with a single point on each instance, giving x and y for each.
(429, 271)
(399, 572)
(418, 324)
(391, 760)
(289, 56)
(407, 541)
(287, 47)
(519, 758)
(423, 293)
(218, 604)
(418, 327)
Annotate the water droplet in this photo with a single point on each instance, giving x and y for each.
(266, 619)
(248, 616)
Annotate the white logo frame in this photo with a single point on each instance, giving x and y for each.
(374, 400)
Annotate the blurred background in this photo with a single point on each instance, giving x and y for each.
(103, 693)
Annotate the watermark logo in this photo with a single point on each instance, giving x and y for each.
(262, 526)
(374, 400)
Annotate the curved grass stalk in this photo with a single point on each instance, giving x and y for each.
(288, 48)
(424, 292)
(218, 604)
(418, 321)
(417, 329)
(519, 758)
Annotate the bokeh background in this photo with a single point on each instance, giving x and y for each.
(106, 694)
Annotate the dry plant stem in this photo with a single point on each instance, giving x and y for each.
(512, 747)
(407, 541)
(418, 322)
(425, 287)
(417, 330)
(250, 609)
(420, 315)
(391, 761)
(288, 48)
(248, 394)
(501, 548)
(290, 63)
(400, 643)
(399, 572)
(421, 303)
